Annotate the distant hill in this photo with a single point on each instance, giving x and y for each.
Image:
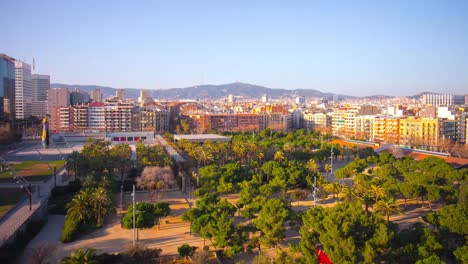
(207, 91)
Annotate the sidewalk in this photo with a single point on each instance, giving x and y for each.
(21, 213)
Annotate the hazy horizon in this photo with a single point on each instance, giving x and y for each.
(397, 48)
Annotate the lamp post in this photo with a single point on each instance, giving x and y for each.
(134, 225)
(331, 161)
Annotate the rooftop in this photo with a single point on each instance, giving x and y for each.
(202, 138)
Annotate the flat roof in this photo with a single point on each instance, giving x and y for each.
(202, 137)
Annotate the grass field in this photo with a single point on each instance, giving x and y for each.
(32, 170)
(9, 197)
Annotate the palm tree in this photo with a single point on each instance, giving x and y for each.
(334, 188)
(288, 148)
(72, 162)
(239, 150)
(79, 207)
(312, 166)
(101, 203)
(377, 191)
(279, 156)
(328, 168)
(367, 199)
(347, 194)
(122, 156)
(205, 156)
(388, 206)
(81, 256)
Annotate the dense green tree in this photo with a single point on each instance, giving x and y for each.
(221, 230)
(270, 221)
(144, 216)
(73, 162)
(347, 232)
(161, 209)
(185, 250)
(96, 155)
(121, 154)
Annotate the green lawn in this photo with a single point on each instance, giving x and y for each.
(9, 197)
(32, 170)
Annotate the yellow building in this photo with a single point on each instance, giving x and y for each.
(419, 132)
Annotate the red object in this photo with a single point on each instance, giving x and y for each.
(322, 256)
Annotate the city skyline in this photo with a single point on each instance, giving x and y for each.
(365, 48)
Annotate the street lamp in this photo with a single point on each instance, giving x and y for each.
(134, 211)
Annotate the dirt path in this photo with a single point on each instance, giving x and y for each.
(112, 238)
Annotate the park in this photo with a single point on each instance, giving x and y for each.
(264, 197)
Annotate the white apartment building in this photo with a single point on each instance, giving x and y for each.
(96, 116)
(442, 99)
(364, 127)
(314, 121)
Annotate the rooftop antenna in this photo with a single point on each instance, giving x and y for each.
(34, 64)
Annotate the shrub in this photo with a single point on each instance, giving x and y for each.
(70, 229)
(186, 250)
(140, 254)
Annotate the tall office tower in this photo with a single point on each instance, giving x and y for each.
(40, 87)
(23, 90)
(96, 95)
(7, 87)
(120, 93)
(57, 98)
(265, 98)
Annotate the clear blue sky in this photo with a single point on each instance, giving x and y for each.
(348, 47)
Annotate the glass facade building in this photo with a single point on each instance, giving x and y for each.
(7, 86)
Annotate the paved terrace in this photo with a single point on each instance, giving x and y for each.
(170, 150)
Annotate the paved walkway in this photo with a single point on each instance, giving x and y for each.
(15, 218)
(50, 234)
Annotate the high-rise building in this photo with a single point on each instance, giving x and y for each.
(317, 121)
(80, 117)
(58, 98)
(120, 93)
(144, 95)
(265, 98)
(386, 129)
(419, 132)
(7, 87)
(23, 90)
(40, 87)
(461, 128)
(300, 100)
(230, 98)
(118, 116)
(96, 95)
(96, 116)
(364, 127)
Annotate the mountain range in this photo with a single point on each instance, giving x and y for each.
(245, 90)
